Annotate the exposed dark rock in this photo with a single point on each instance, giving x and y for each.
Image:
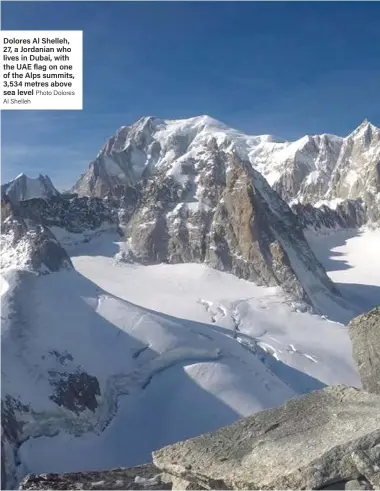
(75, 391)
(11, 426)
(140, 477)
(7, 208)
(353, 484)
(74, 214)
(12, 414)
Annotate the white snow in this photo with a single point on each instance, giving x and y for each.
(187, 348)
(332, 203)
(69, 240)
(353, 263)
(169, 368)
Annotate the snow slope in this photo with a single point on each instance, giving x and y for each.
(351, 258)
(156, 374)
(241, 348)
(187, 348)
(199, 293)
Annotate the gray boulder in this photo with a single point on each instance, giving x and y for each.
(327, 437)
(365, 336)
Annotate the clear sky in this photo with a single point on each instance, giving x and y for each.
(276, 67)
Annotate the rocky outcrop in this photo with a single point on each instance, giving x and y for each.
(305, 167)
(365, 336)
(13, 415)
(26, 244)
(123, 161)
(66, 219)
(74, 214)
(139, 477)
(328, 439)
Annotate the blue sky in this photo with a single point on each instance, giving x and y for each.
(274, 67)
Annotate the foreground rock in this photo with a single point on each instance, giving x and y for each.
(365, 337)
(139, 477)
(327, 437)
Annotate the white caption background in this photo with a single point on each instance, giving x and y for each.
(41, 70)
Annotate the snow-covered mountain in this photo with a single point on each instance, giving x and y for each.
(220, 211)
(71, 350)
(357, 171)
(311, 169)
(121, 321)
(346, 214)
(24, 188)
(103, 363)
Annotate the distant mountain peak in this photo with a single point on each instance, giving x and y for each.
(23, 187)
(365, 126)
(304, 169)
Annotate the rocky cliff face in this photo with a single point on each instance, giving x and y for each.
(365, 336)
(357, 171)
(348, 214)
(223, 213)
(305, 170)
(123, 161)
(70, 219)
(74, 214)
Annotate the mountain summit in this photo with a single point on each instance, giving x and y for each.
(308, 170)
(23, 187)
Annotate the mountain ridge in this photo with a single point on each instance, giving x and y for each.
(307, 170)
